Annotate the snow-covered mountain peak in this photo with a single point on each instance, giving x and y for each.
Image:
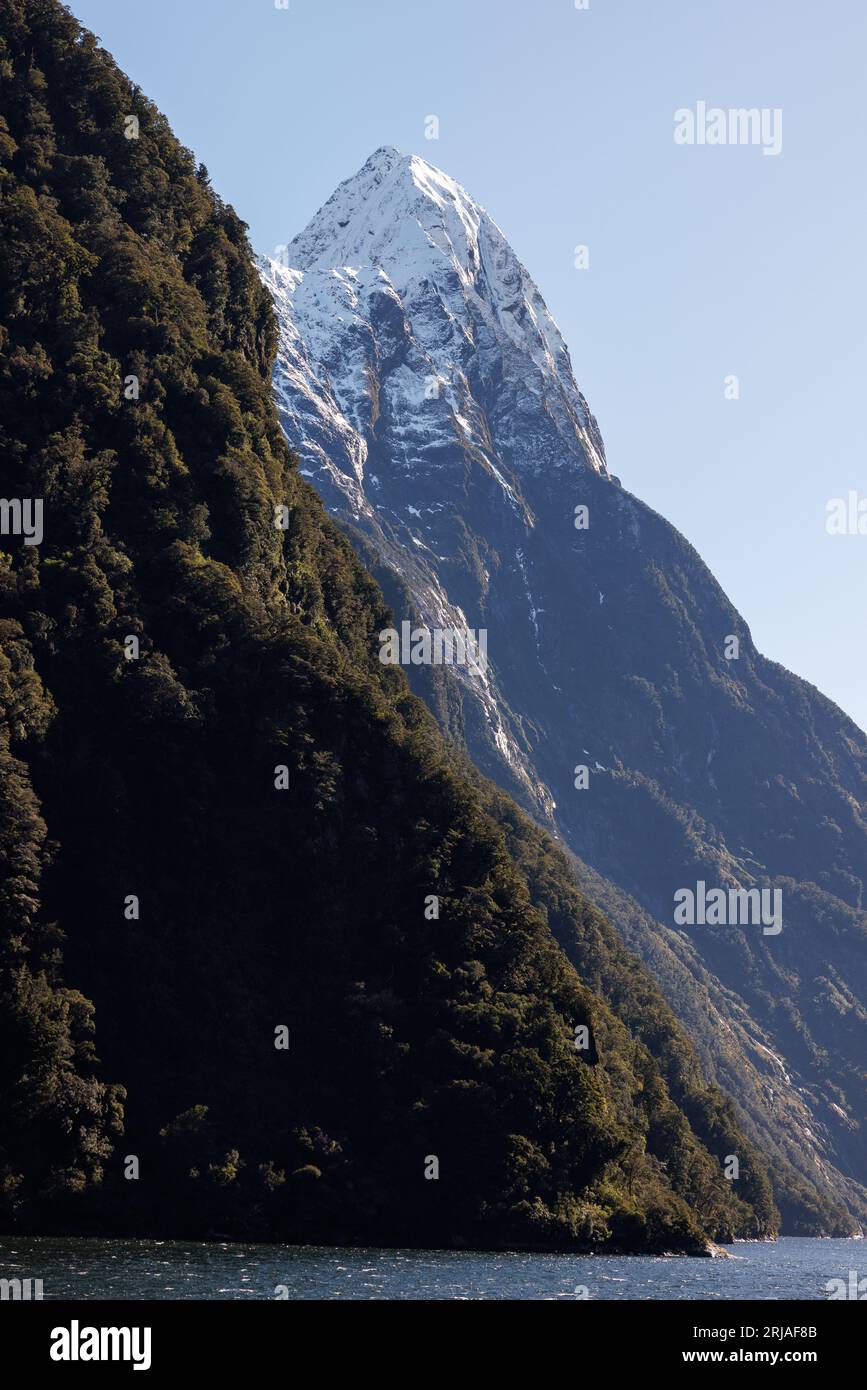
(399, 212)
(403, 303)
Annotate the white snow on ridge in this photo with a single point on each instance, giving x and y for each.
(401, 263)
(428, 393)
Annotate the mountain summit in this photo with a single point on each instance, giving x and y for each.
(403, 244)
(417, 360)
(430, 396)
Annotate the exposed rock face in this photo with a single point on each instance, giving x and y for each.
(430, 396)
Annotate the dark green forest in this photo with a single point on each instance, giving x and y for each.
(221, 817)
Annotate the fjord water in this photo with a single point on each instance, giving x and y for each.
(148, 1269)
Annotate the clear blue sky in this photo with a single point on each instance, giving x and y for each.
(704, 261)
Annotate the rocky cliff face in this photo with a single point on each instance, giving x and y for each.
(431, 399)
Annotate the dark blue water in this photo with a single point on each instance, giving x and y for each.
(148, 1269)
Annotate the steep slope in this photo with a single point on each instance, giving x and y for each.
(318, 948)
(430, 397)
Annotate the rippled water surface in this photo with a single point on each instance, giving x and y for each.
(146, 1269)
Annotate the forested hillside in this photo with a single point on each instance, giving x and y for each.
(273, 963)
